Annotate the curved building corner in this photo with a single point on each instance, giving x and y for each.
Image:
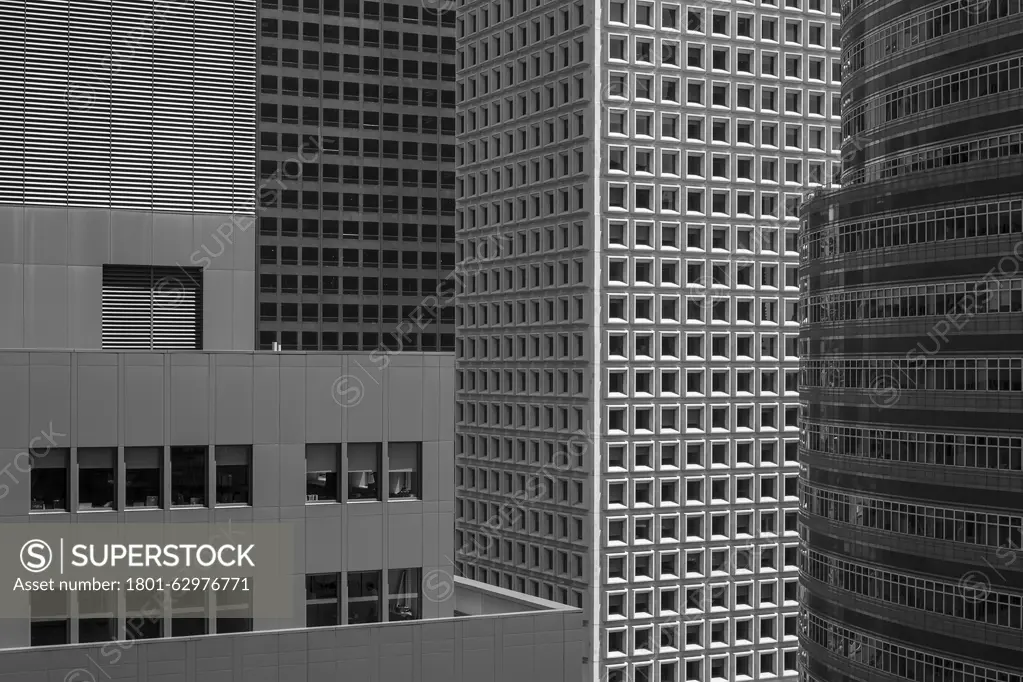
(911, 354)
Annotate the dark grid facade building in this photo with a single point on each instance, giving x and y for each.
(356, 163)
(911, 375)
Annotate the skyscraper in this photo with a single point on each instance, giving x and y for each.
(132, 401)
(354, 237)
(911, 377)
(629, 175)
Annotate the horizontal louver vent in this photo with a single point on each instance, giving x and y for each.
(147, 308)
(130, 104)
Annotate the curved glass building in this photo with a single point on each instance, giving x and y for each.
(911, 353)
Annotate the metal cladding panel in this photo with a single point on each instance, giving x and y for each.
(12, 101)
(129, 104)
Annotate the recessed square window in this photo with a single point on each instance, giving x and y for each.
(616, 233)
(644, 124)
(694, 237)
(694, 129)
(644, 198)
(695, 20)
(694, 56)
(616, 196)
(644, 51)
(719, 95)
(644, 14)
(694, 93)
(719, 132)
(616, 159)
(719, 23)
(720, 202)
(719, 60)
(744, 62)
(643, 163)
(669, 16)
(694, 201)
(617, 123)
(643, 232)
(617, 48)
(669, 162)
(669, 53)
(616, 12)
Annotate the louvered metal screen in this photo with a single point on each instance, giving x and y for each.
(152, 308)
(132, 104)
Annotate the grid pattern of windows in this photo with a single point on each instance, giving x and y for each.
(89, 481)
(716, 120)
(639, 196)
(146, 614)
(356, 176)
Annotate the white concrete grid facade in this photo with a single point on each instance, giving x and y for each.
(641, 294)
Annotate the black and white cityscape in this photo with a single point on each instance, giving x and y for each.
(503, 340)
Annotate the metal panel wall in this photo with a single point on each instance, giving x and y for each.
(129, 104)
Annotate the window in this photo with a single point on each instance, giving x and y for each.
(50, 619)
(234, 474)
(617, 13)
(404, 470)
(669, 17)
(404, 589)
(234, 611)
(151, 308)
(694, 56)
(363, 596)
(143, 614)
(143, 477)
(322, 600)
(50, 480)
(321, 473)
(188, 476)
(363, 471)
(96, 478)
(97, 616)
(189, 612)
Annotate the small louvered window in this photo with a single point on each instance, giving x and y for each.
(152, 308)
